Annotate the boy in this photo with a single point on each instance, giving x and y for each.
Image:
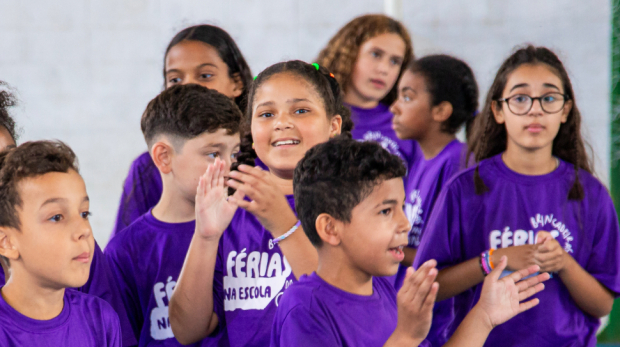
(47, 242)
(349, 198)
(185, 127)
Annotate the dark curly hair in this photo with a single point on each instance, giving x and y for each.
(324, 84)
(452, 80)
(340, 54)
(186, 111)
(7, 100)
(335, 176)
(226, 47)
(490, 138)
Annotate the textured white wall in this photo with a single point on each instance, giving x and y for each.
(85, 69)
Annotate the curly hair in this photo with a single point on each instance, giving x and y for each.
(187, 111)
(490, 138)
(340, 54)
(324, 84)
(227, 49)
(452, 80)
(7, 100)
(335, 176)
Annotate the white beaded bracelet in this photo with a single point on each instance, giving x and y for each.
(287, 234)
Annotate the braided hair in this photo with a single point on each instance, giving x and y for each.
(490, 138)
(324, 84)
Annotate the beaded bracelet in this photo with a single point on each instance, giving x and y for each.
(484, 264)
(287, 234)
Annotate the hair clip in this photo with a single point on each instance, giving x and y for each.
(255, 77)
(316, 66)
(332, 75)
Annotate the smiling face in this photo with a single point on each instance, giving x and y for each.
(199, 63)
(536, 129)
(374, 239)
(289, 118)
(376, 70)
(412, 109)
(54, 244)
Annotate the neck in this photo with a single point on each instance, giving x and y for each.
(529, 162)
(355, 99)
(435, 143)
(284, 181)
(173, 207)
(335, 269)
(31, 298)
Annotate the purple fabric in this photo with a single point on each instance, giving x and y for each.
(314, 313)
(102, 284)
(85, 320)
(375, 124)
(515, 208)
(250, 276)
(147, 259)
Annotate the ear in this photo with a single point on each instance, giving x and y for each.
(162, 153)
(442, 112)
(328, 229)
(336, 126)
(568, 106)
(7, 246)
(497, 114)
(238, 85)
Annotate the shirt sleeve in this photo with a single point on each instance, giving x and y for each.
(604, 261)
(299, 327)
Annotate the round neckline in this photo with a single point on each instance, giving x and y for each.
(503, 169)
(344, 294)
(34, 325)
(165, 225)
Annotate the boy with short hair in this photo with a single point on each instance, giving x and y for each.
(349, 197)
(47, 242)
(185, 127)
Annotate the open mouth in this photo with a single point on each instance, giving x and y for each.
(397, 253)
(285, 143)
(378, 83)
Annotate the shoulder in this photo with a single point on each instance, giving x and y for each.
(90, 305)
(134, 234)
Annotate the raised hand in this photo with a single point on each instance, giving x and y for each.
(501, 299)
(268, 203)
(550, 256)
(213, 210)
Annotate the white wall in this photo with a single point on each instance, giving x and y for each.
(85, 69)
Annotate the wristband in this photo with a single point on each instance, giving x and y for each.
(484, 264)
(490, 260)
(287, 234)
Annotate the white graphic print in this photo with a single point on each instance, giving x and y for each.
(160, 323)
(413, 211)
(384, 141)
(506, 238)
(254, 280)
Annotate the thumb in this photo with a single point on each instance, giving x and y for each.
(499, 268)
(543, 236)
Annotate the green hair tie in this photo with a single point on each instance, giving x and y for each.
(316, 66)
(255, 77)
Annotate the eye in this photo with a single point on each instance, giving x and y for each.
(86, 214)
(174, 80)
(213, 155)
(375, 54)
(520, 99)
(56, 218)
(234, 156)
(406, 98)
(549, 98)
(206, 75)
(302, 111)
(386, 211)
(266, 115)
(394, 62)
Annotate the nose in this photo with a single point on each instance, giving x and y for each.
(394, 108)
(403, 222)
(83, 230)
(536, 109)
(283, 121)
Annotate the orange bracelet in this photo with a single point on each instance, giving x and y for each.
(490, 260)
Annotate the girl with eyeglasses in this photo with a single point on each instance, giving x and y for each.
(532, 197)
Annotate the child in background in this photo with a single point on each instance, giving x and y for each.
(350, 197)
(241, 260)
(47, 242)
(367, 57)
(186, 128)
(531, 197)
(202, 54)
(437, 94)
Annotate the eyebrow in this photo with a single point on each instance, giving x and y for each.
(404, 89)
(60, 200)
(387, 202)
(546, 85)
(290, 101)
(198, 67)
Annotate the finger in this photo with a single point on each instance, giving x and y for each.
(244, 177)
(208, 176)
(215, 172)
(429, 302)
(237, 198)
(222, 176)
(532, 281)
(531, 291)
(518, 275)
(407, 281)
(247, 190)
(252, 170)
(200, 190)
(542, 236)
(418, 275)
(524, 306)
(424, 288)
(494, 275)
(544, 257)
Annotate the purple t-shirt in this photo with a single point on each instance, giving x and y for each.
(147, 258)
(102, 284)
(312, 312)
(251, 273)
(464, 224)
(375, 124)
(85, 320)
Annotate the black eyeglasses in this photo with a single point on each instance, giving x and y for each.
(521, 104)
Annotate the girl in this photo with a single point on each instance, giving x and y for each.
(204, 55)
(531, 197)
(436, 96)
(367, 57)
(241, 260)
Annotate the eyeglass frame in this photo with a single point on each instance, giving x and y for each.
(539, 98)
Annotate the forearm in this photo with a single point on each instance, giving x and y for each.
(191, 305)
(589, 294)
(473, 330)
(409, 256)
(398, 339)
(300, 253)
(458, 278)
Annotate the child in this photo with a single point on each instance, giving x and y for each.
(8, 134)
(531, 197)
(350, 197)
(202, 54)
(186, 128)
(241, 260)
(47, 241)
(367, 57)
(437, 94)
